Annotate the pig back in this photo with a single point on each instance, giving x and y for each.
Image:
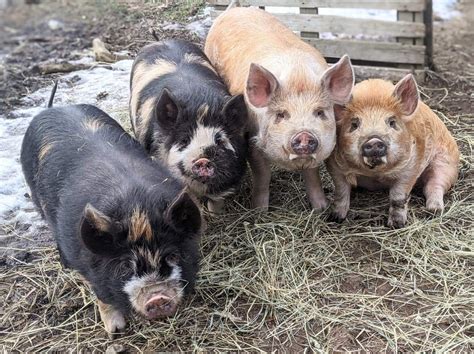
(241, 36)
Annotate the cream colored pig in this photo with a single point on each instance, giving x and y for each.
(290, 92)
(388, 138)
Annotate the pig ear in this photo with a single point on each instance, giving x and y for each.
(235, 113)
(261, 85)
(338, 112)
(406, 91)
(183, 214)
(166, 109)
(338, 81)
(97, 231)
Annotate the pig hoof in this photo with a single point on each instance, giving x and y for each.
(260, 205)
(336, 217)
(319, 204)
(113, 319)
(215, 206)
(435, 205)
(114, 325)
(397, 221)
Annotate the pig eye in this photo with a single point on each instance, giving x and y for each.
(184, 141)
(280, 116)
(319, 114)
(355, 123)
(392, 122)
(172, 259)
(218, 139)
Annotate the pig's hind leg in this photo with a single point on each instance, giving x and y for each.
(113, 319)
(438, 177)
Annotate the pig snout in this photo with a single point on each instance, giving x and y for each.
(160, 306)
(203, 168)
(374, 147)
(304, 143)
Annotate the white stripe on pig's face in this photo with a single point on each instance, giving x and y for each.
(204, 142)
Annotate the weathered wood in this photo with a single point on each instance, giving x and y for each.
(404, 5)
(418, 17)
(312, 11)
(347, 25)
(220, 7)
(369, 51)
(392, 74)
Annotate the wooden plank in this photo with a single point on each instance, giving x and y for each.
(312, 11)
(418, 17)
(404, 5)
(347, 25)
(370, 51)
(406, 16)
(391, 74)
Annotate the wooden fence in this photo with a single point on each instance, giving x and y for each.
(401, 46)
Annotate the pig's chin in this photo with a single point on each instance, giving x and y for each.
(374, 162)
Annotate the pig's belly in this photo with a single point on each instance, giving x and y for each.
(372, 184)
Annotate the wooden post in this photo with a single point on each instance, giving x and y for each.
(428, 20)
(313, 11)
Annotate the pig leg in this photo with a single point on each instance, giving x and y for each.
(440, 175)
(216, 206)
(112, 318)
(315, 192)
(399, 197)
(342, 191)
(261, 175)
(342, 197)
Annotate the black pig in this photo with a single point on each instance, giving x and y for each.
(118, 217)
(183, 114)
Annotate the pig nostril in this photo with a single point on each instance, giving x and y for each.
(374, 148)
(304, 143)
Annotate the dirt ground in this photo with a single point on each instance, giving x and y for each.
(287, 280)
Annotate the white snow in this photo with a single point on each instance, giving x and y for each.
(78, 87)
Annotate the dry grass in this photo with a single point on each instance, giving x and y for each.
(286, 279)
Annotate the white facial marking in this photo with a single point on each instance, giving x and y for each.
(134, 286)
(203, 138)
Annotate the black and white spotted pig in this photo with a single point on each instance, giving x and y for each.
(183, 114)
(120, 219)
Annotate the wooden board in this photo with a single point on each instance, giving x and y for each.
(392, 74)
(347, 25)
(370, 51)
(403, 5)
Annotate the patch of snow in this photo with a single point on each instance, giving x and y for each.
(200, 27)
(445, 9)
(77, 87)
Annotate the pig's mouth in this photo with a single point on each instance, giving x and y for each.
(302, 157)
(374, 161)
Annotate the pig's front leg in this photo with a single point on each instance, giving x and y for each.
(342, 196)
(315, 192)
(399, 197)
(261, 175)
(112, 318)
